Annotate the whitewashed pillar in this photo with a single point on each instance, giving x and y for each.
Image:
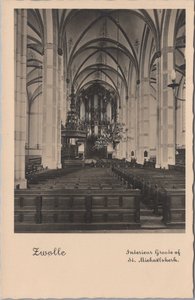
(50, 100)
(132, 124)
(145, 117)
(20, 95)
(139, 130)
(167, 112)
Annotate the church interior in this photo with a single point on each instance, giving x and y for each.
(99, 120)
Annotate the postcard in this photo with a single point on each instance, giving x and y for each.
(97, 149)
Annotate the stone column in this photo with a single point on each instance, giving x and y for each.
(152, 124)
(60, 106)
(129, 121)
(20, 95)
(158, 99)
(145, 117)
(122, 145)
(183, 96)
(167, 112)
(35, 123)
(61, 77)
(51, 110)
(127, 117)
(180, 117)
(132, 124)
(143, 125)
(139, 113)
(179, 123)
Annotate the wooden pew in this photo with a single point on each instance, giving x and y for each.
(174, 207)
(151, 189)
(81, 180)
(159, 191)
(63, 211)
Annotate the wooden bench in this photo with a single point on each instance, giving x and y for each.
(63, 211)
(174, 207)
(161, 191)
(81, 180)
(180, 168)
(150, 190)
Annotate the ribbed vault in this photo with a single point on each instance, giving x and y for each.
(132, 54)
(99, 44)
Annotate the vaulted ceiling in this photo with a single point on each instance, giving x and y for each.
(98, 45)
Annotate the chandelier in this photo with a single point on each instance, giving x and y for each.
(112, 134)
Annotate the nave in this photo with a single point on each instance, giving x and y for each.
(100, 120)
(102, 199)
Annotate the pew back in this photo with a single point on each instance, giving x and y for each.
(174, 207)
(76, 210)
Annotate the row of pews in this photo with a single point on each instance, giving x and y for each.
(113, 198)
(65, 211)
(33, 164)
(74, 179)
(161, 190)
(83, 199)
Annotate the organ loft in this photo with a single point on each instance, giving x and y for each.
(99, 119)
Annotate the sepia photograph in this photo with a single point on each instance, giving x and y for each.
(99, 120)
(97, 149)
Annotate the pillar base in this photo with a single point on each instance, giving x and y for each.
(59, 166)
(52, 165)
(140, 161)
(157, 166)
(20, 184)
(162, 166)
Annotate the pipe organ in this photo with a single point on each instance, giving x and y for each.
(97, 108)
